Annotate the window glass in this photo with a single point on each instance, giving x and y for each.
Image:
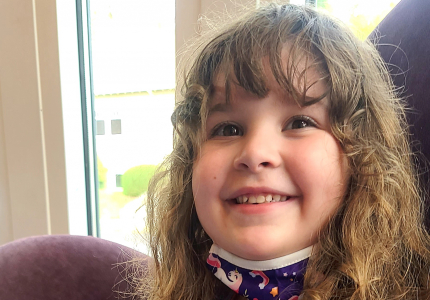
(133, 55)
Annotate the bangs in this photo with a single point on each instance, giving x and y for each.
(285, 44)
(280, 43)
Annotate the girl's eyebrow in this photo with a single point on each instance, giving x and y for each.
(219, 107)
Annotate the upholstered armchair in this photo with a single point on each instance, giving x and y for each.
(403, 39)
(67, 267)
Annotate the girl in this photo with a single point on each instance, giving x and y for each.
(291, 172)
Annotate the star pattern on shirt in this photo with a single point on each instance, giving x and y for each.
(274, 291)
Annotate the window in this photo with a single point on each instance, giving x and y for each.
(133, 65)
(118, 180)
(100, 127)
(115, 126)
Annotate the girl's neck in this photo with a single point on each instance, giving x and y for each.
(280, 277)
(264, 265)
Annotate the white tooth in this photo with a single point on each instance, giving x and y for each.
(269, 198)
(261, 199)
(276, 198)
(245, 199)
(239, 199)
(252, 199)
(283, 198)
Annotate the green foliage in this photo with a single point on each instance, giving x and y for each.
(324, 4)
(101, 170)
(135, 180)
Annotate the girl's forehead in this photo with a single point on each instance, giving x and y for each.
(239, 96)
(218, 100)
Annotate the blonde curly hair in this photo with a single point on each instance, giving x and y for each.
(375, 246)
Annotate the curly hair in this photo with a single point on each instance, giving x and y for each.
(375, 246)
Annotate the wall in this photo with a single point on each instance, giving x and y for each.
(32, 176)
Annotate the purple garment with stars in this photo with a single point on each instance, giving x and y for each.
(280, 278)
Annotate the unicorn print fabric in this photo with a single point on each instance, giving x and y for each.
(279, 278)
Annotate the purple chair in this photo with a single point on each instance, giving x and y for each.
(403, 39)
(67, 267)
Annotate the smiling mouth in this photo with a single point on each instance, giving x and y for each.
(260, 199)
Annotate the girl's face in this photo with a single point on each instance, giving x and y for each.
(267, 150)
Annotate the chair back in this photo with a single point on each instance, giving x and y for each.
(66, 267)
(403, 40)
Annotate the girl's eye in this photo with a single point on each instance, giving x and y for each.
(227, 130)
(300, 122)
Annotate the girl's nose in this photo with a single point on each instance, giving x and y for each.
(258, 152)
